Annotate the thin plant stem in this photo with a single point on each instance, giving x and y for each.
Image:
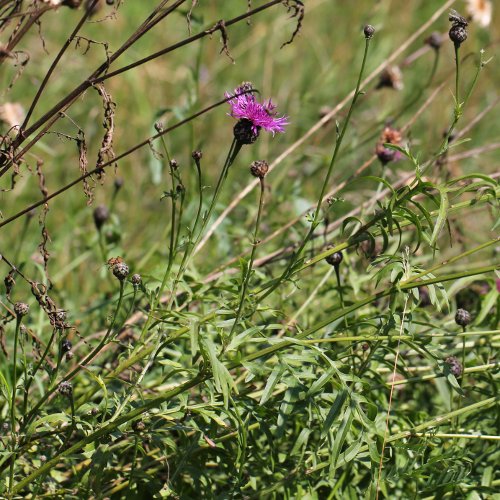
(13, 406)
(27, 418)
(191, 245)
(248, 270)
(315, 222)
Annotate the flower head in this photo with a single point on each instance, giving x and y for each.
(480, 11)
(389, 136)
(260, 115)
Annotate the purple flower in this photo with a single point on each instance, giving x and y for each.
(261, 115)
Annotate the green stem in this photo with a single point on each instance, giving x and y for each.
(231, 156)
(13, 406)
(324, 187)
(248, 270)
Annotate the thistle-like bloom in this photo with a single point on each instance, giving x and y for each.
(260, 115)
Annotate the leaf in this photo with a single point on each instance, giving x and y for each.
(48, 419)
(442, 214)
(334, 411)
(273, 379)
(340, 438)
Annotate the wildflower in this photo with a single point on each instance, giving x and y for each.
(259, 168)
(462, 317)
(458, 31)
(65, 389)
(389, 136)
(253, 115)
(481, 11)
(369, 31)
(136, 279)
(454, 365)
(335, 258)
(391, 77)
(21, 309)
(434, 40)
(120, 270)
(101, 215)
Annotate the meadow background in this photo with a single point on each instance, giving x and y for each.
(309, 420)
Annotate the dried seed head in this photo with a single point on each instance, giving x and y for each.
(65, 389)
(136, 279)
(434, 40)
(197, 155)
(101, 215)
(385, 155)
(458, 34)
(173, 164)
(334, 259)
(462, 317)
(138, 426)
(21, 309)
(66, 346)
(369, 31)
(244, 132)
(455, 366)
(391, 77)
(259, 168)
(458, 30)
(120, 270)
(69, 355)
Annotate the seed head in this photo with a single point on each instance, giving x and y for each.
(138, 426)
(458, 30)
(120, 270)
(69, 355)
(458, 34)
(118, 183)
(101, 215)
(391, 136)
(335, 258)
(434, 40)
(369, 31)
(21, 309)
(136, 279)
(455, 366)
(197, 155)
(462, 317)
(259, 168)
(173, 164)
(65, 389)
(66, 346)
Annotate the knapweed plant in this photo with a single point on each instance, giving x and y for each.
(249, 249)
